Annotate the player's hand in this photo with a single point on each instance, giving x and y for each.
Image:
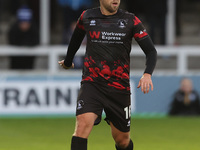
(61, 63)
(145, 83)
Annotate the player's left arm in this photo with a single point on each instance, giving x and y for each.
(146, 44)
(148, 48)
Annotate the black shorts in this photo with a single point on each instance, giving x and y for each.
(116, 105)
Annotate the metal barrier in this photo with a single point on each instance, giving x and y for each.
(182, 53)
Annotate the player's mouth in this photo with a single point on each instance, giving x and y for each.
(115, 3)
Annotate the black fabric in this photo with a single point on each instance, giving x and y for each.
(150, 52)
(95, 98)
(78, 143)
(22, 62)
(18, 37)
(109, 41)
(74, 45)
(178, 107)
(130, 146)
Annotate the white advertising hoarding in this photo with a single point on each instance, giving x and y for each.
(41, 96)
(38, 97)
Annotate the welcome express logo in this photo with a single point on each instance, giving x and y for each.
(117, 36)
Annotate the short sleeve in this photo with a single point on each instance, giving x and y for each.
(139, 31)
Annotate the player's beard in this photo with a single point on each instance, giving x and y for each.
(110, 8)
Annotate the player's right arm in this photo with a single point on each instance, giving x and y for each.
(75, 42)
(61, 63)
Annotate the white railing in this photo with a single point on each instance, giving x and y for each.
(182, 54)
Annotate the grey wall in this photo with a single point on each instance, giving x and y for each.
(159, 100)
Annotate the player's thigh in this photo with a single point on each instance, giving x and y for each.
(121, 138)
(84, 124)
(86, 119)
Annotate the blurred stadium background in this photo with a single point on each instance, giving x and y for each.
(49, 93)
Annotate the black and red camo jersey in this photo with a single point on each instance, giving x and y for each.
(109, 40)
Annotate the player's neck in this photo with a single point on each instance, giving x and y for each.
(106, 12)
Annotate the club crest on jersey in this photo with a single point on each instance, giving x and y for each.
(122, 23)
(80, 104)
(93, 23)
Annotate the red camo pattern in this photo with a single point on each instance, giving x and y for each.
(118, 74)
(136, 21)
(80, 22)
